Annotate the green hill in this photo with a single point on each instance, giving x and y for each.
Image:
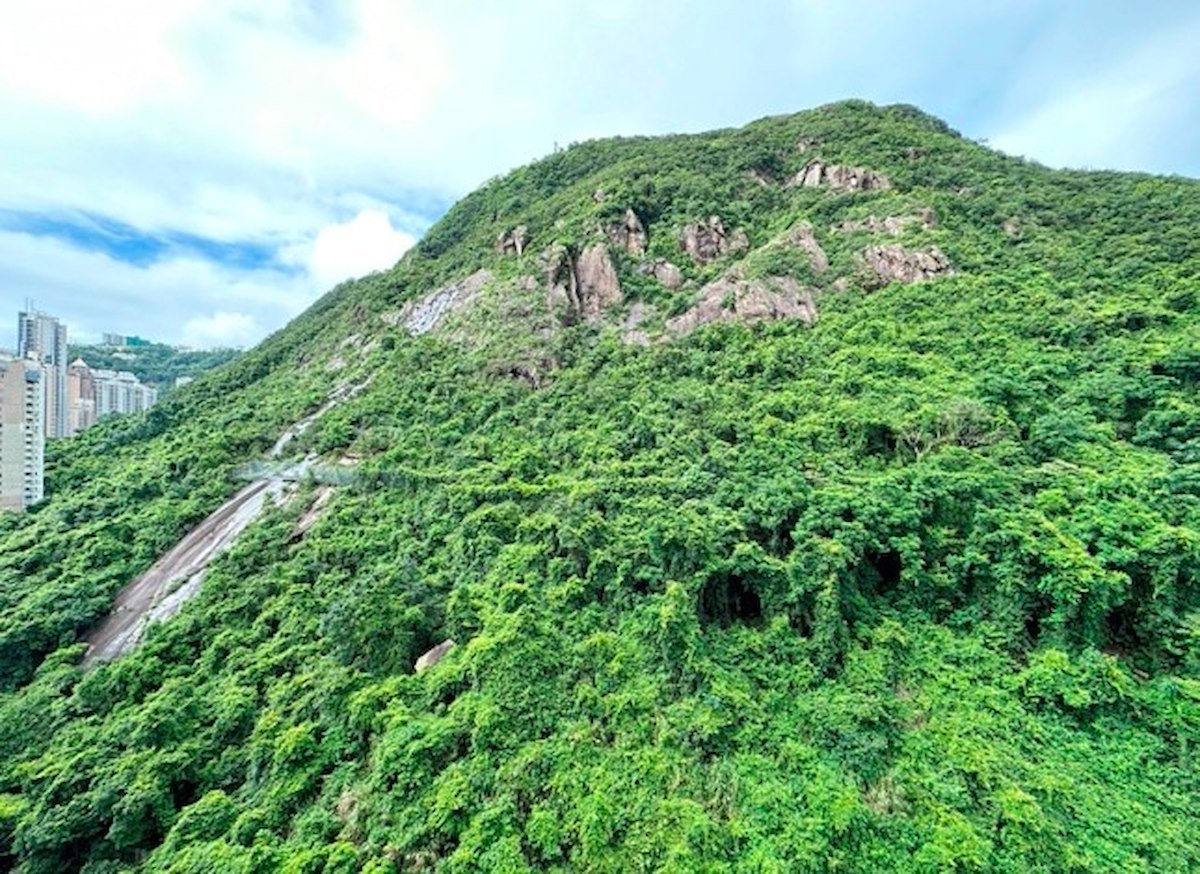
(155, 363)
(822, 494)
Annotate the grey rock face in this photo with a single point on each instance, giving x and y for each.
(894, 263)
(734, 299)
(513, 242)
(629, 234)
(839, 178)
(892, 225)
(802, 236)
(581, 288)
(422, 316)
(708, 240)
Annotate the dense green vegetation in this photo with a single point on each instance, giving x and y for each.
(914, 588)
(154, 363)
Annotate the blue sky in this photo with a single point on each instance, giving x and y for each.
(199, 171)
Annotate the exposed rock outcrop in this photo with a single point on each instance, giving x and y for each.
(513, 242)
(422, 316)
(839, 178)
(664, 271)
(893, 225)
(708, 240)
(599, 287)
(734, 299)
(894, 263)
(580, 288)
(433, 656)
(1012, 227)
(629, 234)
(802, 236)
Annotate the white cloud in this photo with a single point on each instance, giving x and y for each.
(95, 57)
(273, 122)
(366, 243)
(95, 293)
(221, 329)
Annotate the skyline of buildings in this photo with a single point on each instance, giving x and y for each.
(43, 397)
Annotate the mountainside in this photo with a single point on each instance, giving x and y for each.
(821, 494)
(155, 363)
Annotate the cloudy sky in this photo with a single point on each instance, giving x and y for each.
(199, 171)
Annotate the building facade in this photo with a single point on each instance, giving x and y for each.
(81, 397)
(94, 394)
(22, 432)
(44, 338)
(119, 392)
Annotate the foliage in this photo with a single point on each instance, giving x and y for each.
(154, 363)
(914, 588)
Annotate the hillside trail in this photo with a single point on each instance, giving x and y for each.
(160, 592)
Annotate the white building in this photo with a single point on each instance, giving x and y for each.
(22, 434)
(44, 338)
(118, 391)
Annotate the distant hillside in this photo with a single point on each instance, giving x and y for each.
(818, 495)
(155, 363)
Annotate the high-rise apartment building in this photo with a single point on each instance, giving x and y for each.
(94, 394)
(118, 391)
(22, 434)
(44, 338)
(81, 397)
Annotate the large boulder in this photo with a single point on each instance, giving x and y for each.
(665, 272)
(802, 236)
(433, 656)
(599, 287)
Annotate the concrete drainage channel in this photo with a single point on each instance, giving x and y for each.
(161, 592)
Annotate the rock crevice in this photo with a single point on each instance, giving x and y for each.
(579, 288)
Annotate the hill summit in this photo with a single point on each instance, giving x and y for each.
(821, 494)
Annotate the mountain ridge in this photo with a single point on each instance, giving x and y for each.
(865, 537)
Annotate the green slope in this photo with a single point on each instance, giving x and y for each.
(155, 363)
(915, 587)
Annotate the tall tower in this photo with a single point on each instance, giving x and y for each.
(81, 397)
(44, 338)
(22, 438)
